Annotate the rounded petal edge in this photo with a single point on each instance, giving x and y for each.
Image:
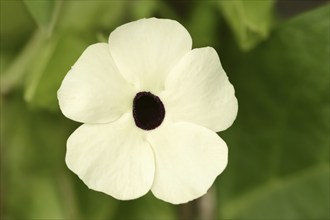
(93, 91)
(188, 160)
(198, 90)
(147, 49)
(112, 158)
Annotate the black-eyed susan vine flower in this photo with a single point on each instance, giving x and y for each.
(151, 106)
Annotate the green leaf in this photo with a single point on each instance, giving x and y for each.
(37, 183)
(47, 202)
(293, 198)
(15, 25)
(250, 21)
(33, 147)
(5, 59)
(50, 66)
(45, 13)
(13, 75)
(203, 24)
(143, 9)
(279, 145)
(91, 16)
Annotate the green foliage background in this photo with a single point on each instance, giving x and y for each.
(278, 147)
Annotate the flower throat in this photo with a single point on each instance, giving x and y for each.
(148, 111)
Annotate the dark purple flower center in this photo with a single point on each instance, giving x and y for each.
(148, 111)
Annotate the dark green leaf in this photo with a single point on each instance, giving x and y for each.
(203, 24)
(15, 25)
(279, 144)
(292, 197)
(37, 183)
(32, 149)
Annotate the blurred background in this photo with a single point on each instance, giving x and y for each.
(276, 54)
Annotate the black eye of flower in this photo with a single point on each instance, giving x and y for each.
(148, 111)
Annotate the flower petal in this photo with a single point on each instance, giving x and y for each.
(112, 158)
(188, 159)
(198, 90)
(94, 91)
(146, 50)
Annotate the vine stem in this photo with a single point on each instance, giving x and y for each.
(203, 208)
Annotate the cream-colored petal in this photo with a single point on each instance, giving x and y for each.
(112, 158)
(188, 159)
(198, 90)
(146, 50)
(94, 91)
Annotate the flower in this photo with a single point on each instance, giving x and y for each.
(151, 107)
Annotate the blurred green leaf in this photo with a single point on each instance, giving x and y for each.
(79, 24)
(45, 200)
(15, 25)
(32, 148)
(5, 59)
(286, 198)
(203, 24)
(279, 144)
(50, 66)
(91, 16)
(45, 13)
(13, 75)
(250, 21)
(37, 183)
(143, 9)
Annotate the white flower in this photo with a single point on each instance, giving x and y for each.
(151, 107)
